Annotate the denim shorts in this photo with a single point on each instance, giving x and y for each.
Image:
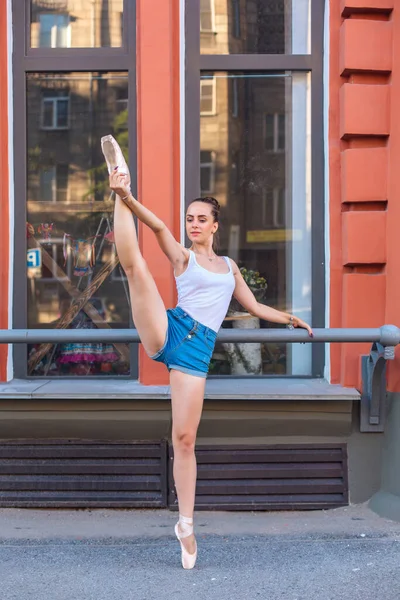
(188, 345)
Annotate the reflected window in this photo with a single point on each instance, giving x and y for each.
(236, 18)
(235, 97)
(54, 31)
(55, 112)
(72, 24)
(274, 132)
(54, 184)
(207, 15)
(208, 98)
(207, 172)
(273, 208)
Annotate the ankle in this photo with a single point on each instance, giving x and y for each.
(185, 525)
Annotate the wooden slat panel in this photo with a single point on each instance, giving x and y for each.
(83, 474)
(61, 483)
(271, 486)
(79, 451)
(271, 498)
(81, 467)
(273, 477)
(80, 494)
(78, 499)
(236, 455)
(266, 470)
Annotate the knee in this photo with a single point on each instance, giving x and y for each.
(136, 270)
(184, 442)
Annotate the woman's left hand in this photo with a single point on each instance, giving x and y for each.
(300, 323)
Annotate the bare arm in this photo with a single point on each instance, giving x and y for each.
(246, 298)
(175, 252)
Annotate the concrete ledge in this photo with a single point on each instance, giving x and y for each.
(386, 505)
(216, 389)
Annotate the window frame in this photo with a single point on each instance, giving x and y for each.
(27, 60)
(196, 64)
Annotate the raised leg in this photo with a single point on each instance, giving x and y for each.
(187, 396)
(148, 310)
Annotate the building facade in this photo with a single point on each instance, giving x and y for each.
(285, 111)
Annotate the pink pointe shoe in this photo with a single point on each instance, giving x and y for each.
(114, 156)
(186, 526)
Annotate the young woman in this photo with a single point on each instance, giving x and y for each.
(183, 338)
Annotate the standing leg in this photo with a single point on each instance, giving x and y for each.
(187, 396)
(148, 310)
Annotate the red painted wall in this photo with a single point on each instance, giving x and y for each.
(4, 213)
(363, 146)
(158, 144)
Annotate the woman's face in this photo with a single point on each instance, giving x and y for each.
(200, 224)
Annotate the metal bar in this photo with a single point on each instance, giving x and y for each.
(256, 62)
(36, 336)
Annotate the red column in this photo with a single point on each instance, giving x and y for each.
(360, 134)
(4, 175)
(158, 143)
(393, 222)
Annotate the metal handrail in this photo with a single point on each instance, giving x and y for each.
(387, 335)
(373, 397)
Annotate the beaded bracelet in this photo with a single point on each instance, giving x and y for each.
(290, 324)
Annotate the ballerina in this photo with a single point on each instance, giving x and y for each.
(183, 338)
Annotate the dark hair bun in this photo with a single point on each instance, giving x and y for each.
(212, 201)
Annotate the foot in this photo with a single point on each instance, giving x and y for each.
(189, 542)
(184, 533)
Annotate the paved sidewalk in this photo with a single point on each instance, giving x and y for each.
(348, 553)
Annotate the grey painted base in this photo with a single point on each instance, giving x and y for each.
(386, 505)
(386, 502)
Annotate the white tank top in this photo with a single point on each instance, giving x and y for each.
(204, 295)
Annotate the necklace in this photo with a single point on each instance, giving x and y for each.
(210, 259)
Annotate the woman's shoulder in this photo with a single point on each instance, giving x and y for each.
(234, 266)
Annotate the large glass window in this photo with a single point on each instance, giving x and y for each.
(69, 212)
(76, 23)
(67, 272)
(265, 221)
(259, 150)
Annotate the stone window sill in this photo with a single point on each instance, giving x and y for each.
(216, 389)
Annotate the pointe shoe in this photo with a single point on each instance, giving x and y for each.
(114, 156)
(186, 524)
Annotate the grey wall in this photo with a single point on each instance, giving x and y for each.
(387, 501)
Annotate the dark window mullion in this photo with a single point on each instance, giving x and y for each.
(317, 185)
(255, 62)
(76, 63)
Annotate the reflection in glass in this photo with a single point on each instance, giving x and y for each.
(255, 159)
(76, 23)
(255, 27)
(74, 278)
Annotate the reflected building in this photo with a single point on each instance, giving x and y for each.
(69, 209)
(244, 124)
(76, 23)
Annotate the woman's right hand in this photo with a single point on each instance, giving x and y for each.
(120, 183)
